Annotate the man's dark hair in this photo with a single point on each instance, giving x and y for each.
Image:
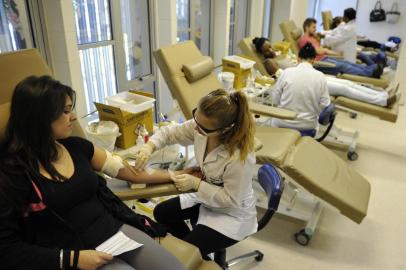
(308, 22)
(307, 52)
(350, 14)
(336, 22)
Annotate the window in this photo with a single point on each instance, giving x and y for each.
(94, 38)
(232, 26)
(238, 23)
(183, 20)
(266, 26)
(336, 7)
(136, 39)
(14, 26)
(113, 38)
(193, 19)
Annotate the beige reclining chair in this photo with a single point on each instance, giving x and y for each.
(16, 66)
(387, 114)
(311, 165)
(327, 18)
(292, 33)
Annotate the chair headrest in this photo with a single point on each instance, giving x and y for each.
(198, 69)
(4, 116)
(296, 33)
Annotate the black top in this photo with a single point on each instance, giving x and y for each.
(74, 217)
(75, 199)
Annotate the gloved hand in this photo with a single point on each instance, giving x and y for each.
(186, 182)
(143, 155)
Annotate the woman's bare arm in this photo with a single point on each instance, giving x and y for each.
(128, 173)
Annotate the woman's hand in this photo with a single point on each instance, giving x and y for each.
(195, 171)
(186, 182)
(92, 259)
(143, 155)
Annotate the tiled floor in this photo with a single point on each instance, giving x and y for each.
(378, 242)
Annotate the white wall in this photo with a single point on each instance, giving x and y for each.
(256, 18)
(298, 11)
(284, 10)
(64, 54)
(336, 7)
(166, 30)
(280, 13)
(380, 31)
(221, 29)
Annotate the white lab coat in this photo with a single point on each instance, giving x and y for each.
(227, 197)
(344, 39)
(303, 90)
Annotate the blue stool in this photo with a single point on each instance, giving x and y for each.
(272, 183)
(326, 117)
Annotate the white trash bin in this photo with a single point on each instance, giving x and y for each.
(103, 134)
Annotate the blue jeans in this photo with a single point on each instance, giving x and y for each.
(342, 66)
(371, 59)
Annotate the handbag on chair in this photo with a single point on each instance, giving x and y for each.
(377, 14)
(393, 15)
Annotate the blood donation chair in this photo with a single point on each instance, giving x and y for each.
(292, 33)
(327, 18)
(16, 66)
(386, 114)
(335, 137)
(314, 173)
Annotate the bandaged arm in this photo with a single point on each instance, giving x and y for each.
(113, 166)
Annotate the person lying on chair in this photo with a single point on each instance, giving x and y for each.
(222, 206)
(52, 215)
(344, 37)
(336, 86)
(264, 47)
(341, 66)
(337, 25)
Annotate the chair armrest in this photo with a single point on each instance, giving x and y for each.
(257, 144)
(187, 254)
(272, 111)
(340, 57)
(383, 83)
(151, 191)
(323, 64)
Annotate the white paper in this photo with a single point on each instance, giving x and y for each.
(118, 244)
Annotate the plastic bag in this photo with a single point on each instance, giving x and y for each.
(103, 134)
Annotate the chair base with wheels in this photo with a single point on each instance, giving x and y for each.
(332, 135)
(273, 184)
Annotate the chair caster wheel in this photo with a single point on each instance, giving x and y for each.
(352, 156)
(353, 115)
(302, 238)
(260, 256)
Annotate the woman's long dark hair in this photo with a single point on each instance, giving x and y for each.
(29, 140)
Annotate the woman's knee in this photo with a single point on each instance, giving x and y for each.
(159, 213)
(162, 212)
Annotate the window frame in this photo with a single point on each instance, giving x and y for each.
(119, 54)
(238, 22)
(190, 31)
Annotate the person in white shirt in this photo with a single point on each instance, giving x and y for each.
(301, 89)
(222, 205)
(335, 86)
(344, 37)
